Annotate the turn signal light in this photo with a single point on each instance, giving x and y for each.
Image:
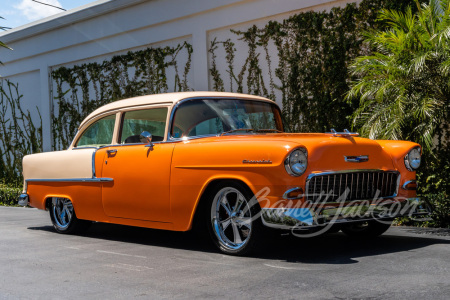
(295, 193)
(410, 185)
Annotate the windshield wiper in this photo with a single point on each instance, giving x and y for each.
(235, 130)
(269, 130)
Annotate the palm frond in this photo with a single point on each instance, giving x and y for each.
(404, 87)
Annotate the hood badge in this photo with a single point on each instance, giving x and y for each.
(357, 159)
(254, 162)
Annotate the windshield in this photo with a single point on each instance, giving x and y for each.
(216, 116)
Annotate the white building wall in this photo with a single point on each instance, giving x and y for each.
(100, 30)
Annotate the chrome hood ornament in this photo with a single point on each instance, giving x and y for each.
(346, 133)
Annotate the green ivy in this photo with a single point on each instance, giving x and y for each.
(313, 52)
(83, 88)
(18, 133)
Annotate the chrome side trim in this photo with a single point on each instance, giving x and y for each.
(101, 179)
(408, 182)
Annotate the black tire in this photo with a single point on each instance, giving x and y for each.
(334, 229)
(368, 229)
(241, 218)
(64, 219)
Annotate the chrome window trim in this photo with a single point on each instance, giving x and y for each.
(122, 113)
(90, 122)
(177, 104)
(308, 179)
(124, 109)
(82, 148)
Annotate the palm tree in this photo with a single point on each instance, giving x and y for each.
(404, 86)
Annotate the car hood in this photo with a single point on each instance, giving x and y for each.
(325, 151)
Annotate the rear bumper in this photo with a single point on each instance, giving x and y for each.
(322, 215)
(23, 200)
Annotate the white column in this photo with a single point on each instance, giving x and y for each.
(200, 60)
(45, 108)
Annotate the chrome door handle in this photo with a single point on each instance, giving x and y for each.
(111, 152)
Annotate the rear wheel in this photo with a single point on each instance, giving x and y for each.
(64, 218)
(366, 229)
(233, 222)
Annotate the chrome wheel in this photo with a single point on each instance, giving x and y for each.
(62, 209)
(231, 219)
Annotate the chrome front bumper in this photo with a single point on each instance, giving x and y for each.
(322, 215)
(23, 200)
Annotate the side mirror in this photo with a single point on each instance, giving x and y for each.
(146, 137)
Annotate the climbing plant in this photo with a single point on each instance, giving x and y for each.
(307, 68)
(80, 89)
(19, 135)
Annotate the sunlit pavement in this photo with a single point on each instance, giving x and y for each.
(112, 261)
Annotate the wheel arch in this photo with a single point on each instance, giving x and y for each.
(48, 200)
(209, 186)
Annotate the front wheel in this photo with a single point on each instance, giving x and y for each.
(64, 218)
(366, 229)
(234, 223)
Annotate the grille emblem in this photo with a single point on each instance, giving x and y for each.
(357, 159)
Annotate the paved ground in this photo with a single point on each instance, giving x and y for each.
(112, 261)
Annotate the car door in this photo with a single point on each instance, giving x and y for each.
(141, 174)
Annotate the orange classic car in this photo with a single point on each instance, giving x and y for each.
(221, 162)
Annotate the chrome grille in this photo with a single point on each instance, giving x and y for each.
(358, 185)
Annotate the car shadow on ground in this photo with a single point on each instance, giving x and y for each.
(334, 248)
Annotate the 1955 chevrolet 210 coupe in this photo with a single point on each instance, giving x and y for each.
(221, 162)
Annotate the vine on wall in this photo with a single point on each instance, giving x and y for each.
(83, 88)
(18, 133)
(313, 50)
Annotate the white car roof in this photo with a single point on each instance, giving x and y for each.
(167, 98)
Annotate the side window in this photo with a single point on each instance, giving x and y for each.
(135, 122)
(99, 133)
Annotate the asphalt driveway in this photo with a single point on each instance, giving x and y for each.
(112, 261)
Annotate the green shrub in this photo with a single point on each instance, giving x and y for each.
(440, 204)
(440, 216)
(9, 194)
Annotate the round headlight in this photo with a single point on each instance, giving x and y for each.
(412, 159)
(296, 162)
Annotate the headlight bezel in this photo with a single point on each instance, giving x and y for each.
(287, 161)
(410, 165)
